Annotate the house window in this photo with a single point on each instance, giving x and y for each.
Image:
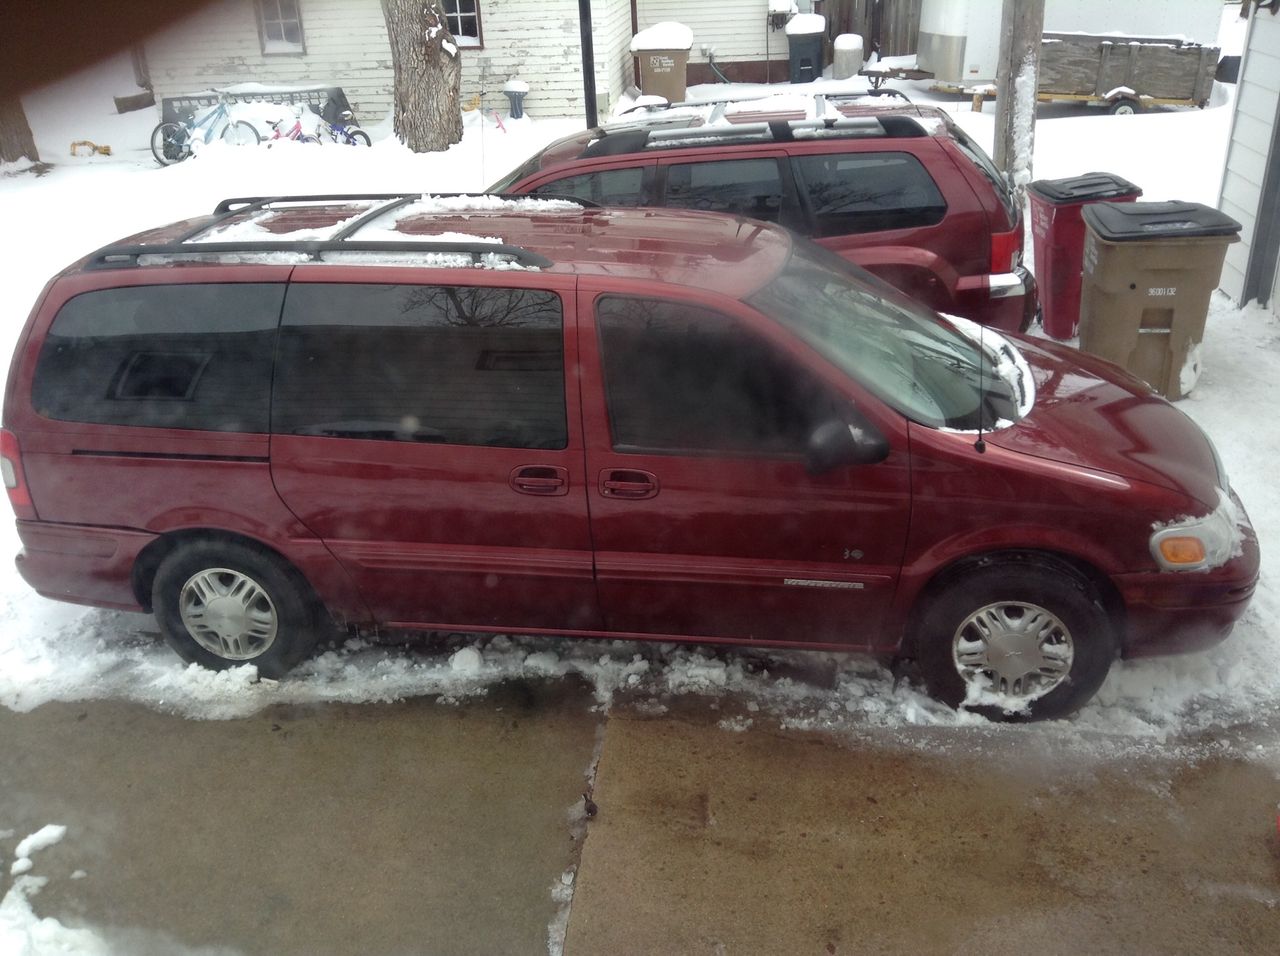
(463, 17)
(281, 24)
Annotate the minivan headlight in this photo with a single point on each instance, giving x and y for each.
(1198, 544)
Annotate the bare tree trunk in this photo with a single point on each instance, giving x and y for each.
(16, 141)
(428, 75)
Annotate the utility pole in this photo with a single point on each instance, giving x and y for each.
(1021, 27)
(589, 62)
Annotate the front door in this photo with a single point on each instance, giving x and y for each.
(427, 434)
(705, 520)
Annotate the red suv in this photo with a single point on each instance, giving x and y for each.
(898, 190)
(497, 415)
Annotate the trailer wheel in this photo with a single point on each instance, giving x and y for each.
(1124, 106)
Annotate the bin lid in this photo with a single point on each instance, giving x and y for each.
(1137, 221)
(1084, 188)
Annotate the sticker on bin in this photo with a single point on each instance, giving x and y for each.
(1163, 290)
(1169, 226)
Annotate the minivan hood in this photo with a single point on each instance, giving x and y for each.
(1092, 414)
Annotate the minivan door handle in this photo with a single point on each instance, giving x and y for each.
(540, 480)
(628, 483)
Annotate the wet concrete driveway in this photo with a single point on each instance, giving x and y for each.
(423, 827)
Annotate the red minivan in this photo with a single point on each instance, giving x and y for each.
(522, 415)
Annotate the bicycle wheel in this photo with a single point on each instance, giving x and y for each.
(357, 137)
(241, 133)
(308, 139)
(170, 143)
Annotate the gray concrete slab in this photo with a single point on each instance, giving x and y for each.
(769, 842)
(403, 828)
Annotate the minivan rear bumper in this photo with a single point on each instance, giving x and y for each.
(80, 564)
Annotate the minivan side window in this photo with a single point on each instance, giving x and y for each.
(192, 356)
(747, 187)
(680, 378)
(865, 192)
(608, 187)
(422, 363)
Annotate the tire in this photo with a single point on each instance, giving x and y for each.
(241, 133)
(170, 143)
(358, 137)
(224, 604)
(1124, 107)
(309, 139)
(1015, 640)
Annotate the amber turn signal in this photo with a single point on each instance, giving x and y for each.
(1182, 550)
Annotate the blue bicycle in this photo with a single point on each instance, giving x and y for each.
(172, 142)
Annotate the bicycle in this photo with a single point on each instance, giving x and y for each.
(346, 131)
(294, 132)
(173, 142)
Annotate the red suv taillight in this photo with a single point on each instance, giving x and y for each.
(15, 481)
(1005, 249)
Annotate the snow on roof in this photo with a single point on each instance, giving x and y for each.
(667, 35)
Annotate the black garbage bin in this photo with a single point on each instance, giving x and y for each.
(806, 36)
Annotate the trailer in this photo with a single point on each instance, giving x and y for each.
(1089, 53)
(1124, 74)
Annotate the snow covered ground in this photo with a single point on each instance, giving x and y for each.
(50, 651)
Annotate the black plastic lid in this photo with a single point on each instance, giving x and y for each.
(1137, 221)
(1083, 188)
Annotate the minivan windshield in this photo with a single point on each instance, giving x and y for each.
(906, 355)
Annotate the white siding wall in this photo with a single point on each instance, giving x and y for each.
(1257, 102)
(346, 42)
(736, 30)
(346, 45)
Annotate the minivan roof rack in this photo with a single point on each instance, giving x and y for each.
(341, 240)
(111, 257)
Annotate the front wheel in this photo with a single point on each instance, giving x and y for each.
(241, 133)
(170, 143)
(309, 139)
(222, 604)
(358, 137)
(1016, 640)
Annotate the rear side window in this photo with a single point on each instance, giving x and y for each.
(865, 192)
(162, 356)
(419, 363)
(680, 378)
(608, 187)
(747, 187)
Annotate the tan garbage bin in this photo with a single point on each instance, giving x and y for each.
(1149, 271)
(662, 54)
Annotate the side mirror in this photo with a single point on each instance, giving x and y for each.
(836, 442)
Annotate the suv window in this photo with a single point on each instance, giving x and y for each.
(162, 356)
(422, 363)
(864, 192)
(685, 379)
(608, 187)
(747, 187)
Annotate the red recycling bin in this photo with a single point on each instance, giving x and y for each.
(1057, 233)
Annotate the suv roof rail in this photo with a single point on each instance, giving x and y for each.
(719, 125)
(116, 256)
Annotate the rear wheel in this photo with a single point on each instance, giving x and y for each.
(1016, 640)
(1124, 107)
(222, 604)
(170, 143)
(358, 137)
(241, 133)
(309, 139)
